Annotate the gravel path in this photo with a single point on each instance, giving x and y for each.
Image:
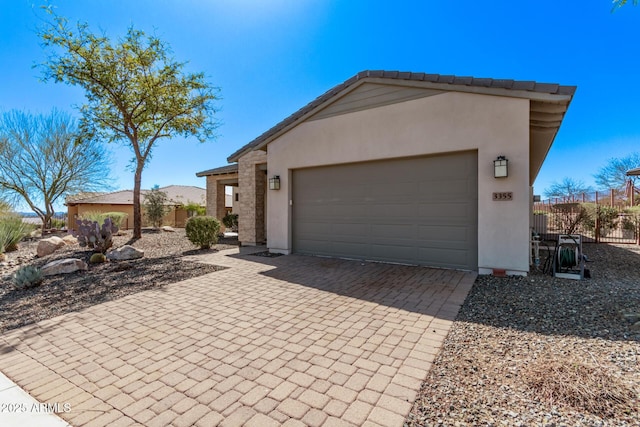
(161, 265)
(542, 351)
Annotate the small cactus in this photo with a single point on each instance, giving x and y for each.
(97, 258)
(98, 238)
(27, 277)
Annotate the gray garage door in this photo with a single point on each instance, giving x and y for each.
(416, 211)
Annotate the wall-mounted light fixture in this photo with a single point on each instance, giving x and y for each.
(500, 167)
(274, 183)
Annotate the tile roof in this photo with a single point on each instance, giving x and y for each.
(223, 170)
(453, 83)
(177, 194)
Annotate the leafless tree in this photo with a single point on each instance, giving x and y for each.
(42, 160)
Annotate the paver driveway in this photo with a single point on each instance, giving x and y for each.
(292, 340)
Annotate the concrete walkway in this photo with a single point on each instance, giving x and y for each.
(292, 340)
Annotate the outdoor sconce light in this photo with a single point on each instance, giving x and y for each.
(274, 183)
(500, 169)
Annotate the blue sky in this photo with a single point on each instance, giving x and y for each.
(271, 57)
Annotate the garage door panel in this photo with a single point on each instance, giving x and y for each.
(448, 189)
(444, 257)
(350, 229)
(387, 231)
(393, 253)
(458, 233)
(416, 211)
(448, 211)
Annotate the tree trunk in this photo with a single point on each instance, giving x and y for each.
(137, 211)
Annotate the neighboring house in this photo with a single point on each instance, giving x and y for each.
(399, 167)
(122, 201)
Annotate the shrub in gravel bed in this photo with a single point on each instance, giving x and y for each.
(584, 387)
(203, 231)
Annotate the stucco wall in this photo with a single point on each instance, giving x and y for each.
(438, 124)
(175, 217)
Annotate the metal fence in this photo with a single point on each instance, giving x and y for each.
(605, 217)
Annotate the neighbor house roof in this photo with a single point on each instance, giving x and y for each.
(224, 170)
(549, 103)
(177, 194)
(633, 172)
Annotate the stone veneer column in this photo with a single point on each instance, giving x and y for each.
(216, 198)
(251, 181)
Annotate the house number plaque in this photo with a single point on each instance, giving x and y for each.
(498, 197)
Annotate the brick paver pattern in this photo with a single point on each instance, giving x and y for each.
(293, 340)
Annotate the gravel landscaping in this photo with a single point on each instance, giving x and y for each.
(161, 265)
(543, 351)
(523, 351)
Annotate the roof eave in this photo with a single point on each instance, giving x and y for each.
(564, 94)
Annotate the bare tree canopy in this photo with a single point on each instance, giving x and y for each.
(136, 92)
(41, 161)
(614, 174)
(568, 187)
(619, 3)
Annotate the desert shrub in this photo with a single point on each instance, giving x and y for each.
(631, 219)
(571, 217)
(606, 216)
(12, 231)
(195, 209)
(28, 276)
(58, 223)
(93, 216)
(582, 387)
(203, 231)
(230, 220)
(155, 206)
(117, 218)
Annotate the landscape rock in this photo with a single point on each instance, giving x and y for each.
(125, 253)
(70, 240)
(168, 229)
(63, 266)
(49, 245)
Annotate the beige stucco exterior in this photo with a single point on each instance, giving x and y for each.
(176, 217)
(443, 123)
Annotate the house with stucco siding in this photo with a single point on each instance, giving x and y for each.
(399, 167)
(122, 201)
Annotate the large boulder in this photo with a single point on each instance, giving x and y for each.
(63, 266)
(125, 253)
(49, 245)
(168, 229)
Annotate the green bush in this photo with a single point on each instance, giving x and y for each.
(230, 220)
(155, 206)
(93, 216)
(58, 223)
(631, 219)
(12, 231)
(117, 218)
(194, 209)
(203, 231)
